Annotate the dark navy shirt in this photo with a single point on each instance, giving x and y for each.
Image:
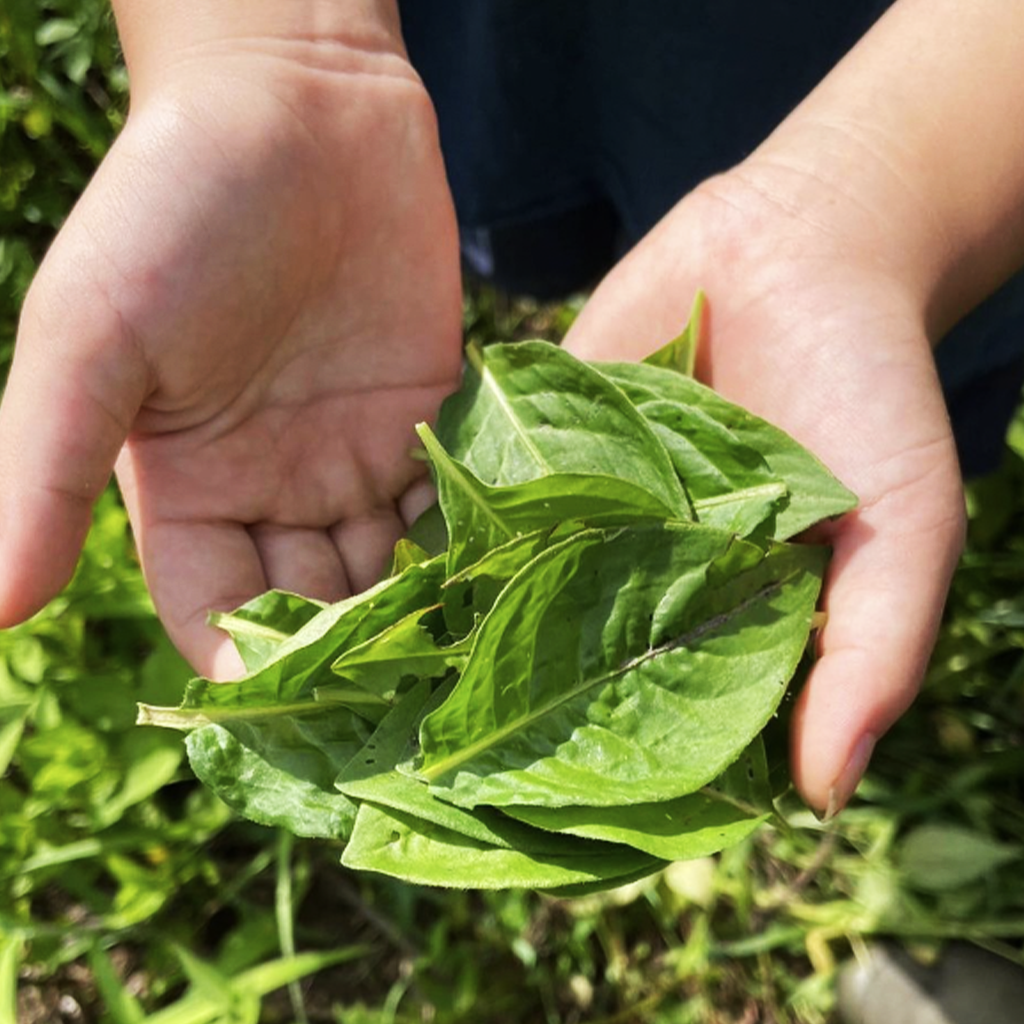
(569, 127)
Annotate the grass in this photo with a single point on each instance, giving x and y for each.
(127, 893)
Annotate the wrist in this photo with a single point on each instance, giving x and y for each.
(911, 134)
(343, 35)
(847, 191)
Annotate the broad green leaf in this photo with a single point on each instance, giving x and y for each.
(688, 827)
(261, 625)
(529, 409)
(729, 483)
(941, 857)
(680, 354)
(814, 493)
(750, 512)
(372, 776)
(681, 829)
(747, 782)
(280, 770)
(481, 517)
(302, 661)
(621, 667)
(419, 851)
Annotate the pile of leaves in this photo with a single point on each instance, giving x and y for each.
(569, 694)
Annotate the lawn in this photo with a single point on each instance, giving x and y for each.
(128, 893)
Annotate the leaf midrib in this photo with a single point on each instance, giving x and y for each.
(453, 471)
(490, 382)
(453, 761)
(245, 627)
(771, 491)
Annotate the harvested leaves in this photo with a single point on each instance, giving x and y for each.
(572, 692)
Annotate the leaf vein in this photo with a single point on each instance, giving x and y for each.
(453, 761)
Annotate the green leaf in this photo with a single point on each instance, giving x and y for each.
(204, 1006)
(688, 827)
(13, 718)
(940, 857)
(57, 30)
(150, 760)
(529, 409)
(407, 553)
(814, 493)
(10, 957)
(604, 885)
(204, 978)
(621, 667)
(373, 776)
(428, 532)
(402, 651)
(681, 829)
(261, 625)
(302, 661)
(729, 483)
(471, 593)
(419, 851)
(481, 517)
(121, 1006)
(281, 770)
(680, 354)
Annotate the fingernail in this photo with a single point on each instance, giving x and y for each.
(844, 786)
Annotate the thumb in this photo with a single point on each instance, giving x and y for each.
(74, 389)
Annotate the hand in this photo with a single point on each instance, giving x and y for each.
(811, 330)
(254, 302)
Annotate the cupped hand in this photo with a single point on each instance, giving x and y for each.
(812, 329)
(250, 308)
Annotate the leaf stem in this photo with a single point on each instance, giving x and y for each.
(185, 719)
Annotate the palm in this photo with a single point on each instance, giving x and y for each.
(293, 312)
(828, 348)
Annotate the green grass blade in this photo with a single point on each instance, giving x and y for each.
(10, 955)
(198, 1008)
(121, 1006)
(284, 911)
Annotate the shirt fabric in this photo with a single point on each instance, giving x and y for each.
(570, 127)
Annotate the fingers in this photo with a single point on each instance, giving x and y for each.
(892, 562)
(73, 392)
(366, 545)
(193, 568)
(303, 561)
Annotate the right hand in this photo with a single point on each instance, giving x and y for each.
(810, 329)
(254, 302)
